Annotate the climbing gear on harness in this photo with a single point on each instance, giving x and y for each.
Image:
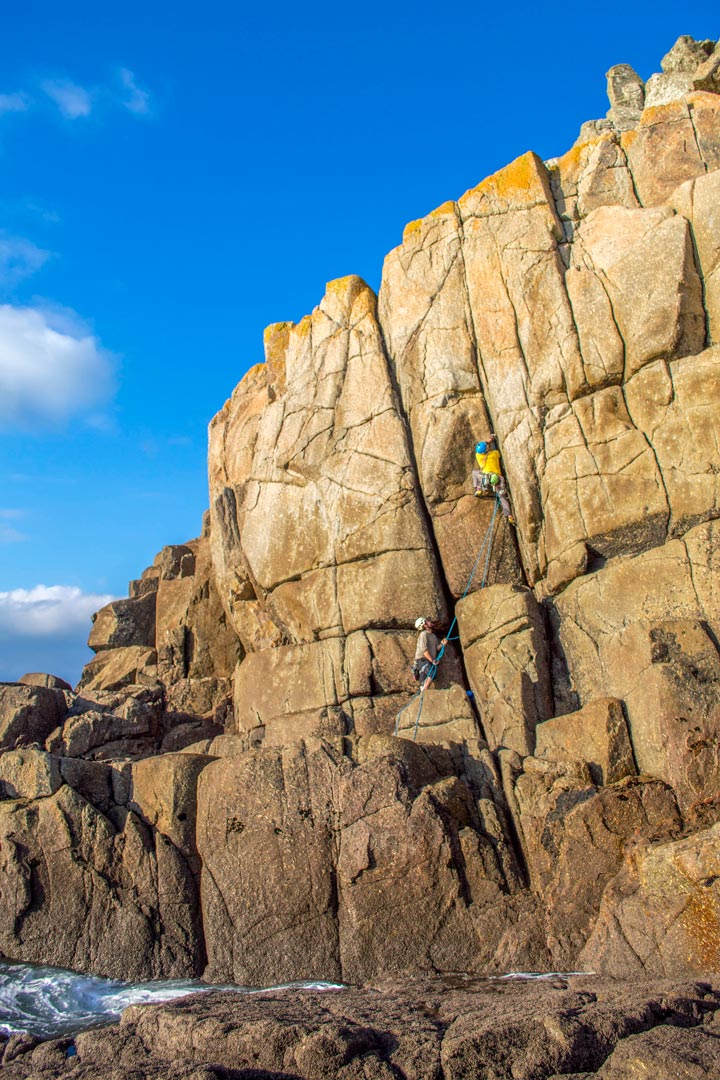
(487, 542)
(494, 479)
(420, 669)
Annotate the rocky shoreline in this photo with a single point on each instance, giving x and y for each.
(451, 1028)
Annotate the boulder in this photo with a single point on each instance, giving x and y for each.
(596, 735)
(665, 1054)
(99, 783)
(630, 589)
(175, 561)
(273, 686)
(28, 774)
(686, 55)
(28, 714)
(593, 174)
(94, 729)
(707, 75)
(663, 150)
(667, 401)
(113, 669)
(674, 709)
(124, 623)
(37, 678)
(626, 92)
(439, 715)
(645, 262)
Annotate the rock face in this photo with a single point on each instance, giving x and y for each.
(418, 1028)
(243, 783)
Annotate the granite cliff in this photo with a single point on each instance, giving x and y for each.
(224, 793)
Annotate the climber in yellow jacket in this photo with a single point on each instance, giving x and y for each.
(488, 462)
(488, 479)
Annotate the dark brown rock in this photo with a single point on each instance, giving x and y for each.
(28, 714)
(38, 678)
(104, 894)
(454, 1029)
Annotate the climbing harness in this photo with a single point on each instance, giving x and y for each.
(487, 543)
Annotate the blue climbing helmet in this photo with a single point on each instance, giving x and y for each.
(481, 448)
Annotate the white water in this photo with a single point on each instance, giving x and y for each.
(50, 1002)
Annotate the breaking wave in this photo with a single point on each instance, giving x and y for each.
(50, 1002)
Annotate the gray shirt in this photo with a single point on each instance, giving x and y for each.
(426, 642)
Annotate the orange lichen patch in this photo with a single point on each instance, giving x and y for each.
(446, 210)
(412, 227)
(701, 920)
(346, 290)
(574, 158)
(523, 181)
(577, 155)
(343, 285)
(628, 139)
(664, 114)
(302, 329)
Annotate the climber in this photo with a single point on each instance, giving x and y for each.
(426, 651)
(488, 462)
(500, 491)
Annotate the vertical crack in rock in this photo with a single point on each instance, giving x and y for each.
(427, 517)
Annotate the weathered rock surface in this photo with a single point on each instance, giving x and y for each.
(93, 892)
(418, 1029)
(28, 714)
(225, 783)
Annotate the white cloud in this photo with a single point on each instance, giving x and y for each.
(72, 100)
(138, 100)
(14, 103)
(48, 611)
(45, 629)
(19, 258)
(51, 367)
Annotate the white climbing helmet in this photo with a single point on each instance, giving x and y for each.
(419, 623)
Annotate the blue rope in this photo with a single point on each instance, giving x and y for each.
(417, 719)
(487, 540)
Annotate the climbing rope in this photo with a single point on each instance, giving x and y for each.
(487, 543)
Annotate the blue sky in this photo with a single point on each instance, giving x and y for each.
(174, 177)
